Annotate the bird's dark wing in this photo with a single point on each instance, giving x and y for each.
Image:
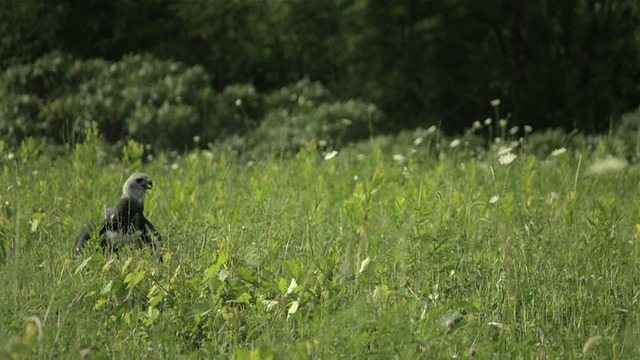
(85, 235)
(150, 234)
(109, 213)
(78, 248)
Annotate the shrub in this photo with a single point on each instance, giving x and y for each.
(17, 112)
(142, 98)
(166, 104)
(25, 93)
(45, 78)
(149, 100)
(237, 109)
(303, 94)
(628, 135)
(326, 125)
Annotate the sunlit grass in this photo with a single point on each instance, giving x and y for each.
(394, 247)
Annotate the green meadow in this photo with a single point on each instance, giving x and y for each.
(407, 246)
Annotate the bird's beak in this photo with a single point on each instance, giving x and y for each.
(149, 185)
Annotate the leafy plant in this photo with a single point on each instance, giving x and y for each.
(390, 247)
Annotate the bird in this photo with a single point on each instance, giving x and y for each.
(124, 223)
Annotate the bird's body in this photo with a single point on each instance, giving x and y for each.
(125, 223)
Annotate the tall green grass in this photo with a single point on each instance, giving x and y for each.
(392, 248)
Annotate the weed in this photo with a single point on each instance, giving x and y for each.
(445, 252)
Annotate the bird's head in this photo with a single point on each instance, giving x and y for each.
(136, 186)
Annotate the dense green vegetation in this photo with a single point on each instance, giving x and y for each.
(165, 104)
(408, 246)
(312, 200)
(572, 64)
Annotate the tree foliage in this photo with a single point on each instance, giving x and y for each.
(167, 104)
(553, 63)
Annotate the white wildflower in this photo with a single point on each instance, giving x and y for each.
(476, 125)
(559, 151)
(607, 165)
(487, 121)
(270, 304)
(330, 155)
(503, 123)
(238, 102)
(495, 102)
(431, 130)
(528, 129)
(417, 141)
(504, 150)
(514, 130)
(507, 159)
(454, 143)
(398, 158)
(292, 286)
(494, 199)
(293, 308)
(405, 172)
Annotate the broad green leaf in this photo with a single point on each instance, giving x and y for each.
(107, 288)
(99, 303)
(364, 264)
(133, 279)
(244, 298)
(201, 309)
(282, 285)
(126, 264)
(155, 300)
(82, 265)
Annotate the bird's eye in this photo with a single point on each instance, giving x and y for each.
(139, 180)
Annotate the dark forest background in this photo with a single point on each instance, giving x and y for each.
(143, 69)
